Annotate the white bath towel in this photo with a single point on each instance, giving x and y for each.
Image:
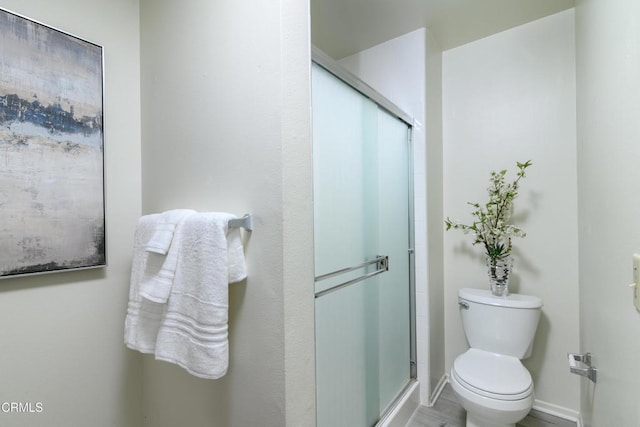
(159, 273)
(143, 316)
(193, 331)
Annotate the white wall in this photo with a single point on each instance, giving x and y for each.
(608, 66)
(62, 334)
(226, 126)
(406, 70)
(506, 98)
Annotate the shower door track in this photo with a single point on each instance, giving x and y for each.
(329, 64)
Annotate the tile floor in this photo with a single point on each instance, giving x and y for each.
(447, 412)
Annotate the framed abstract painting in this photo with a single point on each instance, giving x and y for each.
(52, 208)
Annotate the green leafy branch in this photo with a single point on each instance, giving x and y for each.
(491, 225)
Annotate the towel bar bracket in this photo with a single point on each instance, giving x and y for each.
(246, 222)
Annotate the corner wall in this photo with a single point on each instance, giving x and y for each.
(608, 66)
(226, 127)
(62, 334)
(506, 98)
(434, 232)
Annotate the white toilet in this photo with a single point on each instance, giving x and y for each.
(490, 381)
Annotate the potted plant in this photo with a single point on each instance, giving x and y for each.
(492, 227)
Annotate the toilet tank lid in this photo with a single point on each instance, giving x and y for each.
(484, 296)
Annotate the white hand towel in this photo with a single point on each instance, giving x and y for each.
(143, 316)
(193, 333)
(237, 265)
(160, 270)
(164, 230)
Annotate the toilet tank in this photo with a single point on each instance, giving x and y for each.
(503, 325)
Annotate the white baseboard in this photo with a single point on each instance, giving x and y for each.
(435, 394)
(404, 409)
(558, 411)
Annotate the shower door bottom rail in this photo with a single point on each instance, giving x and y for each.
(382, 265)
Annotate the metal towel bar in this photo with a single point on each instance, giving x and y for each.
(382, 265)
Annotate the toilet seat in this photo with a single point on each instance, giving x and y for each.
(492, 375)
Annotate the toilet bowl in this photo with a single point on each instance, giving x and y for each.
(491, 382)
(495, 390)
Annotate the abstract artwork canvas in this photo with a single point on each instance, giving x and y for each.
(52, 215)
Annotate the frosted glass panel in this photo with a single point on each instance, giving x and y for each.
(393, 240)
(346, 371)
(361, 207)
(344, 124)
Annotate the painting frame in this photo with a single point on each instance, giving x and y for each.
(52, 164)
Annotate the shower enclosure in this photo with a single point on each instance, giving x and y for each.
(363, 228)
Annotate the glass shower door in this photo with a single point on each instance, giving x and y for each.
(362, 229)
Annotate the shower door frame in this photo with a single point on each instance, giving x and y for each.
(326, 62)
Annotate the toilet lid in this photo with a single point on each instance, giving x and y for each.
(493, 375)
